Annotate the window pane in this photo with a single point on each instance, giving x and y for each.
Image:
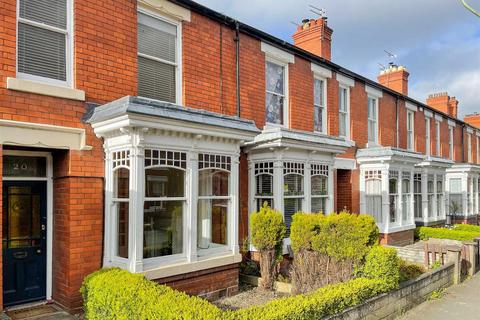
(264, 185)
(50, 12)
(406, 206)
(291, 206)
(318, 92)
(164, 182)
(319, 205)
(293, 184)
(274, 105)
(156, 38)
(156, 80)
(319, 185)
(121, 178)
(18, 166)
(455, 185)
(274, 78)
(418, 205)
(212, 223)
(163, 228)
(371, 131)
(374, 207)
(122, 229)
(213, 182)
(456, 205)
(318, 118)
(342, 124)
(41, 52)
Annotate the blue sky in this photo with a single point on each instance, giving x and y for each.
(437, 40)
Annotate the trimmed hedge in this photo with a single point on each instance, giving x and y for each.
(383, 263)
(118, 294)
(425, 233)
(467, 227)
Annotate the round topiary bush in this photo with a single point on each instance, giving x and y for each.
(384, 264)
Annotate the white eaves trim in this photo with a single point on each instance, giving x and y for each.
(469, 130)
(167, 8)
(346, 81)
(321, 71)
(452, 123)
(411, 106)
(278, 54)
(428, 114)
(478, 134)
(45, 89)
(42, 135)
(438, 117)
(374, 92)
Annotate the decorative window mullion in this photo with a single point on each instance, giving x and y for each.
(190, 224)
(136, 228)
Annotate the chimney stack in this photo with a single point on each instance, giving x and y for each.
(396, 78)
(315, 36)
(473, 119)
(443, 102)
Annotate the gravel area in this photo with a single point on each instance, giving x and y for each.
(248, 296)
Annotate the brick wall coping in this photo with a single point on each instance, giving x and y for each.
(155, 108)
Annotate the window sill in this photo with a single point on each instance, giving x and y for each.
(45, 89)
(188, 267)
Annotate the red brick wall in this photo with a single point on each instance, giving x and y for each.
(301, 96)
(398, 238)
(344, 187)
(1, 219)
(210, 284)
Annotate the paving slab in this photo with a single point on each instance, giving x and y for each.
(458, 302)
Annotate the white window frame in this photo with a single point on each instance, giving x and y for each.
(374, 142)
(69, 36)
(411, 131)
(418, 193)
(437, 136)
(320, 170)
(394, 175)
(428, 143)
(469, 147)
(178, 50)
(346, 112)
(375, 176)
(322, 107)
(450, 142)
(286, 102)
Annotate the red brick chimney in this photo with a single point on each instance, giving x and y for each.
(444, 103)
(473, 119)
(315, 37)
(396, 78)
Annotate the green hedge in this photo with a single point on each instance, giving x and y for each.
(118, 294)
(383, 263)
(467, 227)
(424, 233)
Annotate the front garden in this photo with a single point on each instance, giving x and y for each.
(337, 264)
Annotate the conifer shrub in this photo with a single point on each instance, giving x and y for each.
(383, 263)
(267, 233)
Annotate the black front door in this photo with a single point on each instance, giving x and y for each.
(24, 241)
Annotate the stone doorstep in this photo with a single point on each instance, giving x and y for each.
(56, 312)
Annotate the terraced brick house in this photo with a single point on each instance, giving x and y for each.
(141, 134)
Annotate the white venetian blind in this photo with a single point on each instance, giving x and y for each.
(156, 58)
(42, 38)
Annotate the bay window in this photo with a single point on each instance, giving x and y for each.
(164, 204)
(393, 195)
(276, 99)
(264, 184)
(293, 173)
(158, 58)
(469, 196)
(213, 200)
(417, 195)
(319, 185)
(373, 194)
(406, 195)
(121, 196)
(430, 194)
(320, 108)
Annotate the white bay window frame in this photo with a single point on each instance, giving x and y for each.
(69, 36)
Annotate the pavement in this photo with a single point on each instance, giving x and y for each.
(457, 302)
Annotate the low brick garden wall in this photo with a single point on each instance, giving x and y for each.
(410, 294)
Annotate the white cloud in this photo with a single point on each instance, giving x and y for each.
(438, 41)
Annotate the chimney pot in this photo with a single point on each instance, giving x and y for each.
(395, 77)
(315, 37)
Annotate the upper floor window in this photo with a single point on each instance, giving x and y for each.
(43, 41)
(450, 142)
(437, 135)
(344, 112)
(410, 130)
(320, 105)
(427, 136)
(372, 120)
(158, 58)
(275, 93)
(469, 147)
